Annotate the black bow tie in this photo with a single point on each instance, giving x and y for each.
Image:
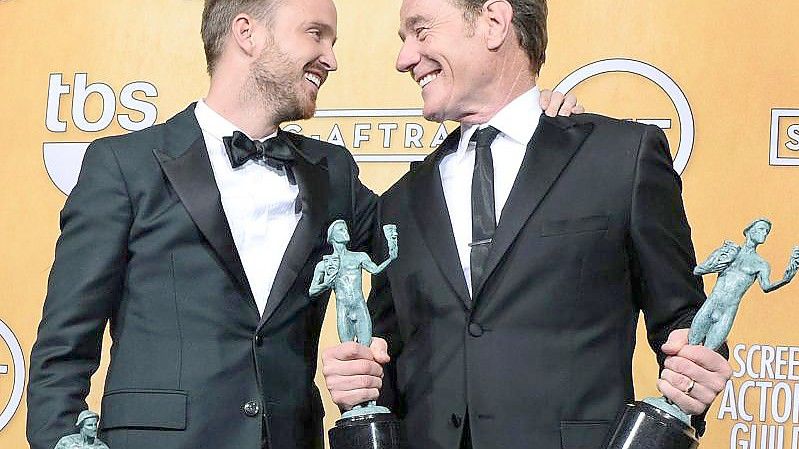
(275, 152)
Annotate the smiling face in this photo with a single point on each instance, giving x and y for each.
(447, 57)
(296, 58)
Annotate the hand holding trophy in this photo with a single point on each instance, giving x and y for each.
(366, 425)
(656, 423)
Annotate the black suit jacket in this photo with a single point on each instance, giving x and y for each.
(145, 246)
(593, 232)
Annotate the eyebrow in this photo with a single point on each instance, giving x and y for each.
(410, 23)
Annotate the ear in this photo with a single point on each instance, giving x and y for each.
(242, 34)
(498, 16)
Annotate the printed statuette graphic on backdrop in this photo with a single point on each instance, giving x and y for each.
(366, 425)
(87, 438)
(657, 423)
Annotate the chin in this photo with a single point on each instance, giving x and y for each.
(308, 111)
(307, 106)
(432, 114)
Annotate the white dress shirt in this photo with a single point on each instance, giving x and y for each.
(516, 122)
(258, 201)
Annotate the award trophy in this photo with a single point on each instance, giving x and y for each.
(656, 423)
(367, 425)
(87, 438)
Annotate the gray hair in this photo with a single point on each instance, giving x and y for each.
(529, 22)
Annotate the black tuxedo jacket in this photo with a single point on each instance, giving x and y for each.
(145, 246)
(593, 232)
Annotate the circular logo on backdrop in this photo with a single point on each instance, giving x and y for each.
(16, 370)
(657, 76)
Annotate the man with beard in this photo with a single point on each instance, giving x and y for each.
(196, 240)
(511, 312)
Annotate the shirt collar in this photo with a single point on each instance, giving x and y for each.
(516, 121)
(214, 124)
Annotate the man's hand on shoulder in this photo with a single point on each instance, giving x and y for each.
(354, 373)
(693, 375)
(555, 103)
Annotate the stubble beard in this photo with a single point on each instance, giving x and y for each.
(274, 81)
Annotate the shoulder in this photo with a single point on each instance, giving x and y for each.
(621, 140)
(69, 441)
(182, 128)
(602, 125)
(135, 139)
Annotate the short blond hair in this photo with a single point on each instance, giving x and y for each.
(218, 16)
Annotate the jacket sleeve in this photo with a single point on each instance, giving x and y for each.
(84, 288)
(364, 209)
(663, 257)
(662, 253)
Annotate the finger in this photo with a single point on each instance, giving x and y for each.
(686, 403)
(352, 368)
(677, 339)
(714, 381)
(579, 109)
(554, 104)
(347, 351)
(706, 358)
(350, 383)
(691, 388)
(379, 349)
(569, 102)
(348, 399)
(544, 99)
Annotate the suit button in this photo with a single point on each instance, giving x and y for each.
(251, 408)
(475, 330)
(457, 420)
(259, 340)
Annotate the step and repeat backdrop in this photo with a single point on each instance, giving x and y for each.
(718, 76)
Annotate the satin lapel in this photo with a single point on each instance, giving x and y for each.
(555, 142)
(191, 176)
(312, 180)
(430, 209)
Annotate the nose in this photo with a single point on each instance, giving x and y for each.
(408, 56)
(328, 59)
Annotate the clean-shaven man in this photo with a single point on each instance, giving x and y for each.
(528, 247)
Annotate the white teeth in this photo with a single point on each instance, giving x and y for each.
(314, 79)
(426, 80)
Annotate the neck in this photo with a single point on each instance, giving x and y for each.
(512, 78)
(339, 247)
(231, 97)
(750, 245)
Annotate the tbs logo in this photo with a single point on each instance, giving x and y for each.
(63, 159)
(80, 94)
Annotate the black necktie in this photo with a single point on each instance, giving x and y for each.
(275, 152)
(484, 220)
